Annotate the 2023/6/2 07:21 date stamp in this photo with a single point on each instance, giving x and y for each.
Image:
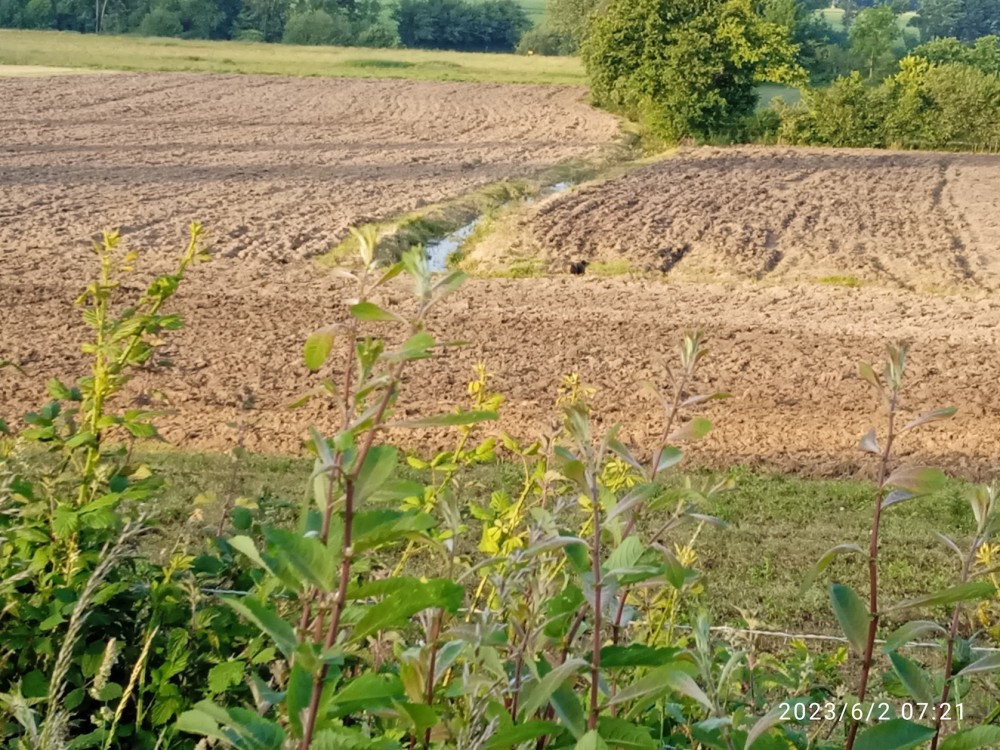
(867, 712)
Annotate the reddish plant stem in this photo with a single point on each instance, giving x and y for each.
(338, 608)
(432, 666)
(949, 659)
(595, 556)
(345, 566)
(873, 568)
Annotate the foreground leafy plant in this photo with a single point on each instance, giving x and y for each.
(860, 621)
(93, 633)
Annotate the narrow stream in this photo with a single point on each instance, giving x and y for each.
(438, 251)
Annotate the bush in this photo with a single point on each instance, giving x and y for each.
(687, 68)
(380, 34)
(546, 41)
(249, 35)
(487, 26)
(316, 27)
(924, 105)
(161, 22)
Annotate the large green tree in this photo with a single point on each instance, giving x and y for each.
(688, 68)
(937, 18)
(873, 35)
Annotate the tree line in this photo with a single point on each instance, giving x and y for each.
(471, 25)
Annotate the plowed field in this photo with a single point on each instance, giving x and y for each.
(278, 169)
(916, 221)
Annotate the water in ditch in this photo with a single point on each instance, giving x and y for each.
(438, 251)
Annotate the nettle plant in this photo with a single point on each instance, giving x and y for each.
(930, 695)
(429, 613)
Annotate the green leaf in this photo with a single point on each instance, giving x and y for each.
(920, 480)
(696, 429)
(245, 545)
(368, 691)
(670, 677)
(959, 593)
(988, 663)
(298, 693)
(521, 733)
(909, 632)
(307, 556)
(422, 717)
(824, 562)
(914, 679)
(415, 347)
(379, 465)
(591, 741)
(537, 694)
(851, 614)
(223, 676)
(242, 519)
(281, 632)
(766, 723)
(561, 609)
(317, 348)
(578, 557)
(866, 372)
(196, 721)
(618, 733)
(626, 555)
(369, 311)
(895, 734)
(377, 527)
(670, 456)
(973, 739)
(455, 419)
(636, 655)
(566, 704)
(396, 609)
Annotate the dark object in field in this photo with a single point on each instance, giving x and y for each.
(577, 267)
(672, 256)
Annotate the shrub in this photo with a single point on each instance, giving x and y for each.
(924, 105)
(487, 26)
(546, 41)
(101, 646)
(688, 69)
(161, 22)
(316, 27)
(249, 35)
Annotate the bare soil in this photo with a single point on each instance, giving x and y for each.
(278, 169)
(916, 221)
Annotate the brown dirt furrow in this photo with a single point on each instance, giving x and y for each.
(918, 221)
(787, 356)
(279, 168)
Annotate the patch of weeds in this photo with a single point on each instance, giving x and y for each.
(372, 63)
(850, 282)
(611, 268)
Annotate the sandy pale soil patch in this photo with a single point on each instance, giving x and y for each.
(34, 71)
(280, 168)
(919, 221)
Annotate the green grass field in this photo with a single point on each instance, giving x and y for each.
(778, 527)
(128, 53)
